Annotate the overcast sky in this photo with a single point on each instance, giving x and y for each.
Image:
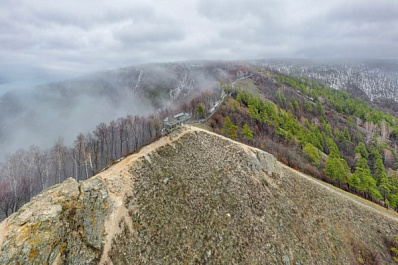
(43, 41)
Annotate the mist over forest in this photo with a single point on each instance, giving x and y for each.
(44, 114)
(41, 115)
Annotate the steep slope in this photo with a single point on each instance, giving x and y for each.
(198, 198)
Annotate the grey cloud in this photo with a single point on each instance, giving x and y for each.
(227, 11)
(92, 17)
(366, 13)
(152, 32)
(77, 37)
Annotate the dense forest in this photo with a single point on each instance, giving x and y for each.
(318, 130)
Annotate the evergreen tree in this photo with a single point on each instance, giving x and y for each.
(319, 108)
(200, 110)
(359, 136)
(253, 112)
(380, 171)
(384, 189)
(328, 130)
(350, 121)
(281, 98)
(395, 250)
(366, 181)
(333, 149)
(240, 97)
(361, 149)
(308, 106)
(229, 128)
(322, 120)
(247, 133)
(347, 136)
(312, 153)
(296, 105)
(337, 168)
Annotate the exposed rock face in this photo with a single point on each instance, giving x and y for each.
(63, 225)
(200, 198)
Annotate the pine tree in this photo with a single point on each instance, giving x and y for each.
(347, 136)
(337, 168)
(229, 128)
(200, 110)
(319, 108)
(384, 188)
(227, 125)
(361, 149)
(359, 136)
(281, 98)
(333, 149)
(312, 153)
(395, 250)
(253, 112)
(296, 105)
(380, 172)
(308, 106)
(247, 133)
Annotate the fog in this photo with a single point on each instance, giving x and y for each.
(41, 115)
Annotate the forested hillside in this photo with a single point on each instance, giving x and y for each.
(329, 134)
(318, 130)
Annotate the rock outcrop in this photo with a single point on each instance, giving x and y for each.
(64, 223)
(199, 198)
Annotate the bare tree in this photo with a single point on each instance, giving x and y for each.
(59, 151)
(26, 173)
(40, 163)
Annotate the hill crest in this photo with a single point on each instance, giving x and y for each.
(197, 197)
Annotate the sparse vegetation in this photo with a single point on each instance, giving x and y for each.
(394, 250)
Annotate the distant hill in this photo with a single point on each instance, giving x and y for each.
(374, 79)
(41, 115)
(198, 198)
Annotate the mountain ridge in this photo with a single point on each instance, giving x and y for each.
(196, 196)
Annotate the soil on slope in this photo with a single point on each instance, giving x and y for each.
(207, 199)
(193, 198)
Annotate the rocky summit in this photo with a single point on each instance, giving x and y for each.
(198, 198)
